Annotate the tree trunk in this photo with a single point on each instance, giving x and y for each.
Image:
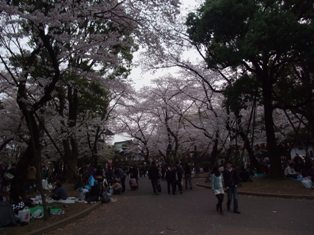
(70, 143)
(272, 148)
(309, 109)
(70, 158)
(34, 148)
(35, 132)
(19, 183)
(215, 151)
(249, 149)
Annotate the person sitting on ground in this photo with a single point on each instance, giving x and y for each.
(59, 192)
(94, 193)
(290, 171)
(90, 182)
(117, 187)
(298, 163)
(106, 193)
(99, 174)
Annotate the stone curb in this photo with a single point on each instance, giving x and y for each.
(64, 221)
(287, 196)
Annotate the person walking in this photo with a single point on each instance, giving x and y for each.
(218, 187)
(134, 173)
(153, 174)
(120, 176)
(180, 173)
(231, 181)
(171, 181)
(188, 176)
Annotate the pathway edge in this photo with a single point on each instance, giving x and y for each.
(259, 194)
(65, 221)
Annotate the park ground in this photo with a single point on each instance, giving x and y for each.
(266, 185)
(193, 212)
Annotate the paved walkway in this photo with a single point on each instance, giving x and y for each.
(193, 213)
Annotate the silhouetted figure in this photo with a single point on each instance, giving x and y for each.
(231, 181)
(153, 174)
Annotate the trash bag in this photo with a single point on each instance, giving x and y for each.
(45, 184)
(56, 211)
(24, 216)
(37, 212)
(307, 183)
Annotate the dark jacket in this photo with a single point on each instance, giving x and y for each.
(180, 172)
(187, 170)
(59, 193)
(171, 175)
(230, 178)
(153, 173)
(134, 173)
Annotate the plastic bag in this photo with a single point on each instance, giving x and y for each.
(24, 216)
(307, 183)
(44, 184)
(37, 212)
(56, 211)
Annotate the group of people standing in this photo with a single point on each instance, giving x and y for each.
(225, 179)
(173, 175)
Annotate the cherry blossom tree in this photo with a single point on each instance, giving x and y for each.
(48, 46)
(136, 120)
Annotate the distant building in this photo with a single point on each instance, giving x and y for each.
(129, 149)
(123, 146)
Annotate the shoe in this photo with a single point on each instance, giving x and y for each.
(237, 212)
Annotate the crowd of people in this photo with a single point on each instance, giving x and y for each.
(173, 175)
(95, 180)
(96, 183)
